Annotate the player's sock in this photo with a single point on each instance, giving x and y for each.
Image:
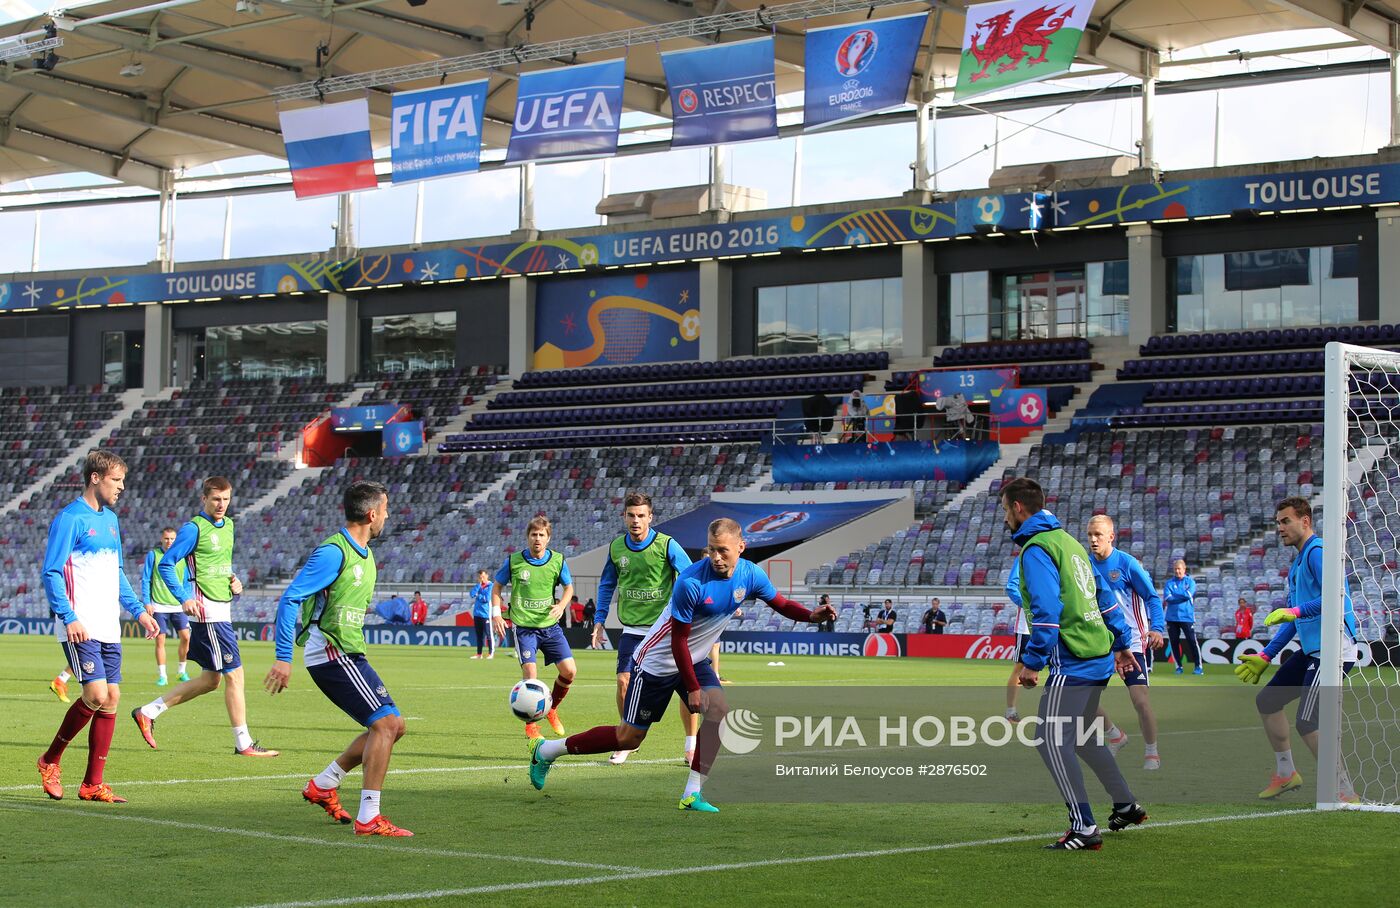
(78, 716)
(694, 783)
(1151, 750)
(99, 743)
(369, 805)
(330, 777)
(241, 739)
(182, 668)
(1114, 732)
(65, 676)
(1284, 761)
(689, 743)
(162, 672)
(153, 709)
(553, 749)
(599, 740)
(561, 690)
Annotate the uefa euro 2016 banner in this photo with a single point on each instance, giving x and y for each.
(436, 132)
(857, 70)
(769, 523)
(885, 223)
(722, 94)
(567, 113)
(975, 385)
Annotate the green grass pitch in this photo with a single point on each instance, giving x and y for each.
(206, 828)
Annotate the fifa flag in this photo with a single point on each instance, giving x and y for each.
(573, 112)
(328, 148)
(721, 94)
(1018, 41)
(1019, 407)
(436, 132)
(857, 70)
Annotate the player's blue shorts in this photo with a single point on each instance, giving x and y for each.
(648, 695)
(171, 623)
(214, 647)
(1022, 640)
(626, 646)
(351, 683)
(546, 641)
(92, 660)
(1138, 677)
(1295, 679)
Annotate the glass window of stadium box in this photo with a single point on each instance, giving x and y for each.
(282, 350)
(968, 301)
(421, 342)
(1041, 304)
(1106, 299)
(833, 317)
(1266, 288)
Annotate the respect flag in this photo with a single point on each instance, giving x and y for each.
(572, 112)
(436, 132)
(721, 94)
(857, 70)
(328, 148)
(1017, 41)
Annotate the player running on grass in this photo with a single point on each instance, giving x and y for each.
(162, 605)
(1297, 678)
(86, 589)
(532, 576)
(1082, 638)
(642, 567)
(673, 659)
(325, 608)
(206, 545)
(1123, 578)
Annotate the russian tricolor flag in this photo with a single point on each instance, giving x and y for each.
(328, 148)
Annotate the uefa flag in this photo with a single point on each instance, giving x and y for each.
(1017, 41)
(328, 148)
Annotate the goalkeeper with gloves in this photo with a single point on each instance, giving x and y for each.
(1297, 678)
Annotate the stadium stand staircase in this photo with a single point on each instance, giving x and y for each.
(130, 401)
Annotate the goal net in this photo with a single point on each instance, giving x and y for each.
(1359, 711)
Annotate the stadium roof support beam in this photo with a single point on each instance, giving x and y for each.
(84, 157)
(136, 110)
(1350, 17)
(788, 49)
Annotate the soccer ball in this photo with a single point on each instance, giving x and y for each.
(529, 700)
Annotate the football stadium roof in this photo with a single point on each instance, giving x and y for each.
(139, 89)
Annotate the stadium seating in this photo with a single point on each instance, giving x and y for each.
(816, 363)
(1270, 339)
(627, 436)
(995, 353)
(40, 426)
(701, 390)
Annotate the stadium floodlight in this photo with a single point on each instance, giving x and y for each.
(15, 50)
(133, 69)
(1359, 711)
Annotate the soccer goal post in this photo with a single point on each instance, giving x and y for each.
(1359, 711)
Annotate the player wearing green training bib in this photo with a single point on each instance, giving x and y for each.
(162, 605)
(532, 576)
(204, 546)
(323, 610)
(642, 567)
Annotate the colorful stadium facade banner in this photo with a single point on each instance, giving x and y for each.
(885, 223)
(976, 385)
(402, 438)
(566, 113)
(1019, 407)
(436, 132)
(769, 523)
(1010, 43)
(722, 93)
(616, 319)
(856, 70)
(328, 148)
(893, 461)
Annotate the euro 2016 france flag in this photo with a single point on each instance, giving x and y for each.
(328, 148)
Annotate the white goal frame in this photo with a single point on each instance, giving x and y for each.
(1339, 359)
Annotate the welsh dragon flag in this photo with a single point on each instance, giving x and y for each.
(1015, 41)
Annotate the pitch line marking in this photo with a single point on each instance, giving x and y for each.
(745, 865)
(326, 843)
